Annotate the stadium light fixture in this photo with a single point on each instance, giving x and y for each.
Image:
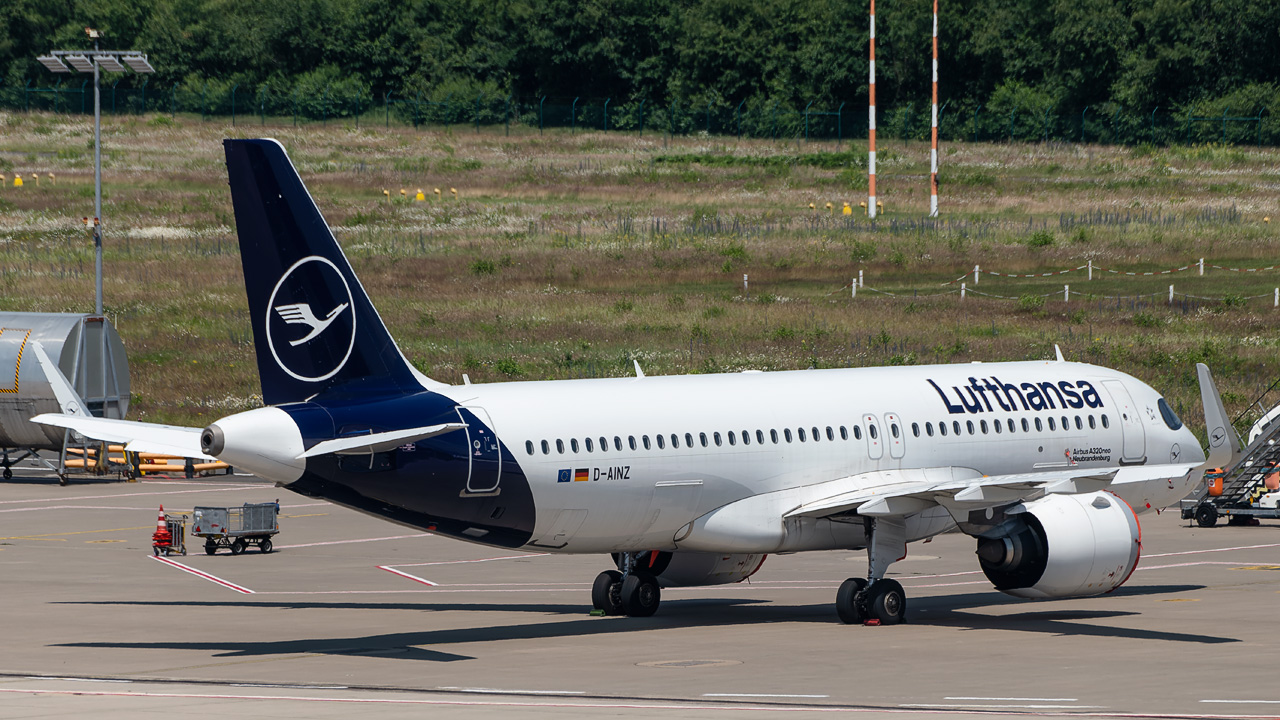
(53, 63)
(110, 63)
(81, 63)
(138, 63)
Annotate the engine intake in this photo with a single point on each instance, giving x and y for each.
(1064, 546)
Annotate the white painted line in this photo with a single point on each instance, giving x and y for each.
(286, 687)
(349, 542)
(460, 562)
(1245, 702)
(496, 691)
(414, 578)
(1198, 562)
(202, 574)
(136, 494)
(760, 695)
(1022, 698)
(72, 679)
(1003, 707)
(1227, 549)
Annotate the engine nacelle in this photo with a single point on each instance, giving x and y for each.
(687, 569)
(1064, 546)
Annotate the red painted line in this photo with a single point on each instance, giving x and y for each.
(414, 578)
(348, 542)
(201, 574)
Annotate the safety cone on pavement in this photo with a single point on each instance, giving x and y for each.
(162, 539)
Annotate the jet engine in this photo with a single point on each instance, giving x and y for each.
(686, 569)
(1063, 546)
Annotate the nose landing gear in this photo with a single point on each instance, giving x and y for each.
(632, 592)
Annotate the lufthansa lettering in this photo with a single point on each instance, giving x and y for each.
(983, 395)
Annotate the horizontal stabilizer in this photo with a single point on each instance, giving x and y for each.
(378, 442)
(136, 436)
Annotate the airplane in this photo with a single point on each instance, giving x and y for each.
(687, 479)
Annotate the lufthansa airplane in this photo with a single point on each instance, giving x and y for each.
(689, 479)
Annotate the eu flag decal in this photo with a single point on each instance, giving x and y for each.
(565, 475)
(580, 475)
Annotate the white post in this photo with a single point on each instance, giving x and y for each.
(1090, 269)
(1066, 293)
(1170, 294)
(976, 270)
(961, 291)
(1277, 302)
(861, 281)
(744, 283)
(854, 296)
(1202, 266)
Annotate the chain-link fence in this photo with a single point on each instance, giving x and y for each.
(270, 104)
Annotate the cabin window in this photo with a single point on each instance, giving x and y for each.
(893, 429)
(703, 437)
(1025, 426)
(1012, 427)
(969, 425)
(773, 435)
(573, 444)
(1039, 425)
(604, 444)
(645, 440)
(675, 440)
(746, 437)
(1093, 424)
(661, 442)
(983, 424)
(928, 429)
(1051, 424)
(786, 433)
(590, 445)
(617, 443)
(732, 440)
(998, 426)
(546, 449)
(942, 428)
(800, 432)
(915, 429)
(688, 440)
(560, 446)
(1079, 423)
(844, 433)
(1106, 421)
(857, 432)
(830, 434)
(528, 446)
(955, 427)
(760, 437)
(817, 435)
(631, 440)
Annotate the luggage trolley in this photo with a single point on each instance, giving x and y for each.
(236, 527)
(176, 540)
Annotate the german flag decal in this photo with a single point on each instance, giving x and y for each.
(581, 475)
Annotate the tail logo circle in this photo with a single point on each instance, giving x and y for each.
(310, 323)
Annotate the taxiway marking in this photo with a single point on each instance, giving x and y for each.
(202, 574)
(460, 562)
(224, 488)
(414, 578)
(348, 542)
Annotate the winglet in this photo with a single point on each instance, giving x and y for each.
(68, 399)
(1224, 443)
(1058, 351)
(639, 372)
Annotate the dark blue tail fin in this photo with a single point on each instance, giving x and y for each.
(314, 329)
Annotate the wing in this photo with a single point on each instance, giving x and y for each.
(136, 436)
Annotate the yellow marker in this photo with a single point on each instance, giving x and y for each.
(455, 192)
(388, 194)
(2, 179)
(37, 179)
(17, 180)
(403, 194)
(1265, 219)
(879, 206)
(829, 206)
(847, 210)
(419, 197)
(51, 180)
(437, 192)
(863, 205)
(811, 206)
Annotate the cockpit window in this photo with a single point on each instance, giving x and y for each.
(1170, 417)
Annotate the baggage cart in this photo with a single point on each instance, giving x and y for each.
(176, 541)
(236, 528)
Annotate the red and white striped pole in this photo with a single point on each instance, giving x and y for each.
(871, 127)
(933, 153)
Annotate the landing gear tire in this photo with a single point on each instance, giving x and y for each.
(237, 547)
(847, 601)
(886, 601)
(1206, 515)
(640, 595)
(606, 592)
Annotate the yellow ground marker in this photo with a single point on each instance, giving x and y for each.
(78, 532)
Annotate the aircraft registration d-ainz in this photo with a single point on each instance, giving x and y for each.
(689, 479)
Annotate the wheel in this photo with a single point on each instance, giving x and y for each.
(155, 549)
(8, 474)
(847, 601)
(238, 546)
(1206, 515)
(640, 595)
(62, 480)
(886, 601)
(606, 592)
(265, 545)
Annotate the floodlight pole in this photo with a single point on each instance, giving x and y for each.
(97, 185)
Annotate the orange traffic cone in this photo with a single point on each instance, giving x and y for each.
(162, 539)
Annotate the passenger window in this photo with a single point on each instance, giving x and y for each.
(645, 439)
(688, 440)
(703, 438)
(969, 425)
(928, 429)
(857, 432)
(915, 429)
(893, 428)
(631, 440)
(1106, 422)
(873, 432)
(1066, 424)
(1025, 426)
(604, 444)
(996, 424)
(844, 433)
(716, 435)
(786, 433)
(1079, 424)
(546, 449)
(573, 444)
(617, 443)
(732, 440)
(816, 435)
(528, 446)
(560, 446)
(746, 437)
(773, 435)
(760, 437)
(955, 427)
(830, 435)
(800, 432)
(675, 440)
(590, 446)
(1051, 424)
(942, 428)
(1093, 425)
(1012, 427)
(983, 424)
(661, 443)
(1039, 425)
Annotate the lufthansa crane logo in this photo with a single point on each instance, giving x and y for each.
(311, 326)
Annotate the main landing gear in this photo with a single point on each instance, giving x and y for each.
(632, 592)
(876, 598)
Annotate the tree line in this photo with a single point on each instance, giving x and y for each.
(1062, 56)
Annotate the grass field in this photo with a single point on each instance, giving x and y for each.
(571, 255)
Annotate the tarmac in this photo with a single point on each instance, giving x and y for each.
(351, 614)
